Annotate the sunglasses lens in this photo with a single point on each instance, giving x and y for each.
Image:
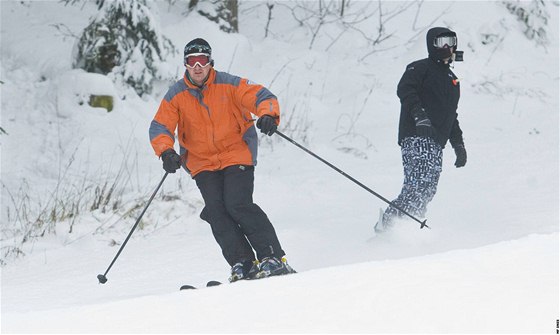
(442, 41)
(202, 60)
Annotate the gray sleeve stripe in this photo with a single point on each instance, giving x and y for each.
(251, 138)
(157, 129)
(177, 88)
(185, 154)
(226, 78)
(262, 95)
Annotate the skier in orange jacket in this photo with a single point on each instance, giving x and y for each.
(211, 111)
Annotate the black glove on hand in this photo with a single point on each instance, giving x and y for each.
(423, 124)
(424, 128)
(171, 160)
(267, 124)
(461, 154)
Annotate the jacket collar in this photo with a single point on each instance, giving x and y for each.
(439, 62)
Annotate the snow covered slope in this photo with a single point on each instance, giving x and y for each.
(505, 287)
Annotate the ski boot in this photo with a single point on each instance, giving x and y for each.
(272, 266)
(244, 270)
(384, 223)
(379, 226)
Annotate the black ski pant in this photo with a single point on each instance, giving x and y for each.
(238, 224)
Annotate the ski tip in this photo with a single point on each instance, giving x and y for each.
(213, 283)
(423, 224)
(209, 284)
(187, 287)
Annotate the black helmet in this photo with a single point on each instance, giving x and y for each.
(197, 46)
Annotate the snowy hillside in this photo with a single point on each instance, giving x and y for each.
(489, 264)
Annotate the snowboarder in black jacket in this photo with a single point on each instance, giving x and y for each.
(429, 94)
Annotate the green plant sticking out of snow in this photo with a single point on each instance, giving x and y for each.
(103, 101)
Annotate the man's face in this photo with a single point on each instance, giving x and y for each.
(445, 46)
(198, 67)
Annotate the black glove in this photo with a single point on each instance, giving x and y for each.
(461, 154)
(423, 124)
(267, 124)
(424, 128)
(171, 160)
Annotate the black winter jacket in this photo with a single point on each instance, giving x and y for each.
(430, 84)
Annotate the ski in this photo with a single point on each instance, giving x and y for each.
(259, 275)
(208, 284)
(187, 287)
(213, 283)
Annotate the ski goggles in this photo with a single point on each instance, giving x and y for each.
(200, 59)
(442, 41)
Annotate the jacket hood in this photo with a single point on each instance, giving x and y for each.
(432, 34)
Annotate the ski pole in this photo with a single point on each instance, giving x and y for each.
(102, 277)
(422, 223)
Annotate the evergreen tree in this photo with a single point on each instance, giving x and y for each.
(534, 17)
(223, 12)
(124, 41)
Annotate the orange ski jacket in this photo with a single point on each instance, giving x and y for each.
(214, 125)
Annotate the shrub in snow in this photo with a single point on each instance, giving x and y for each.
(124, 41)
(534, 17)
(224, 13)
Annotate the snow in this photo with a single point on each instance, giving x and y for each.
(74, 89)
(434, 293)
(489, 263)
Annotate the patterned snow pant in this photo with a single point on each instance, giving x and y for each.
(422, 163)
